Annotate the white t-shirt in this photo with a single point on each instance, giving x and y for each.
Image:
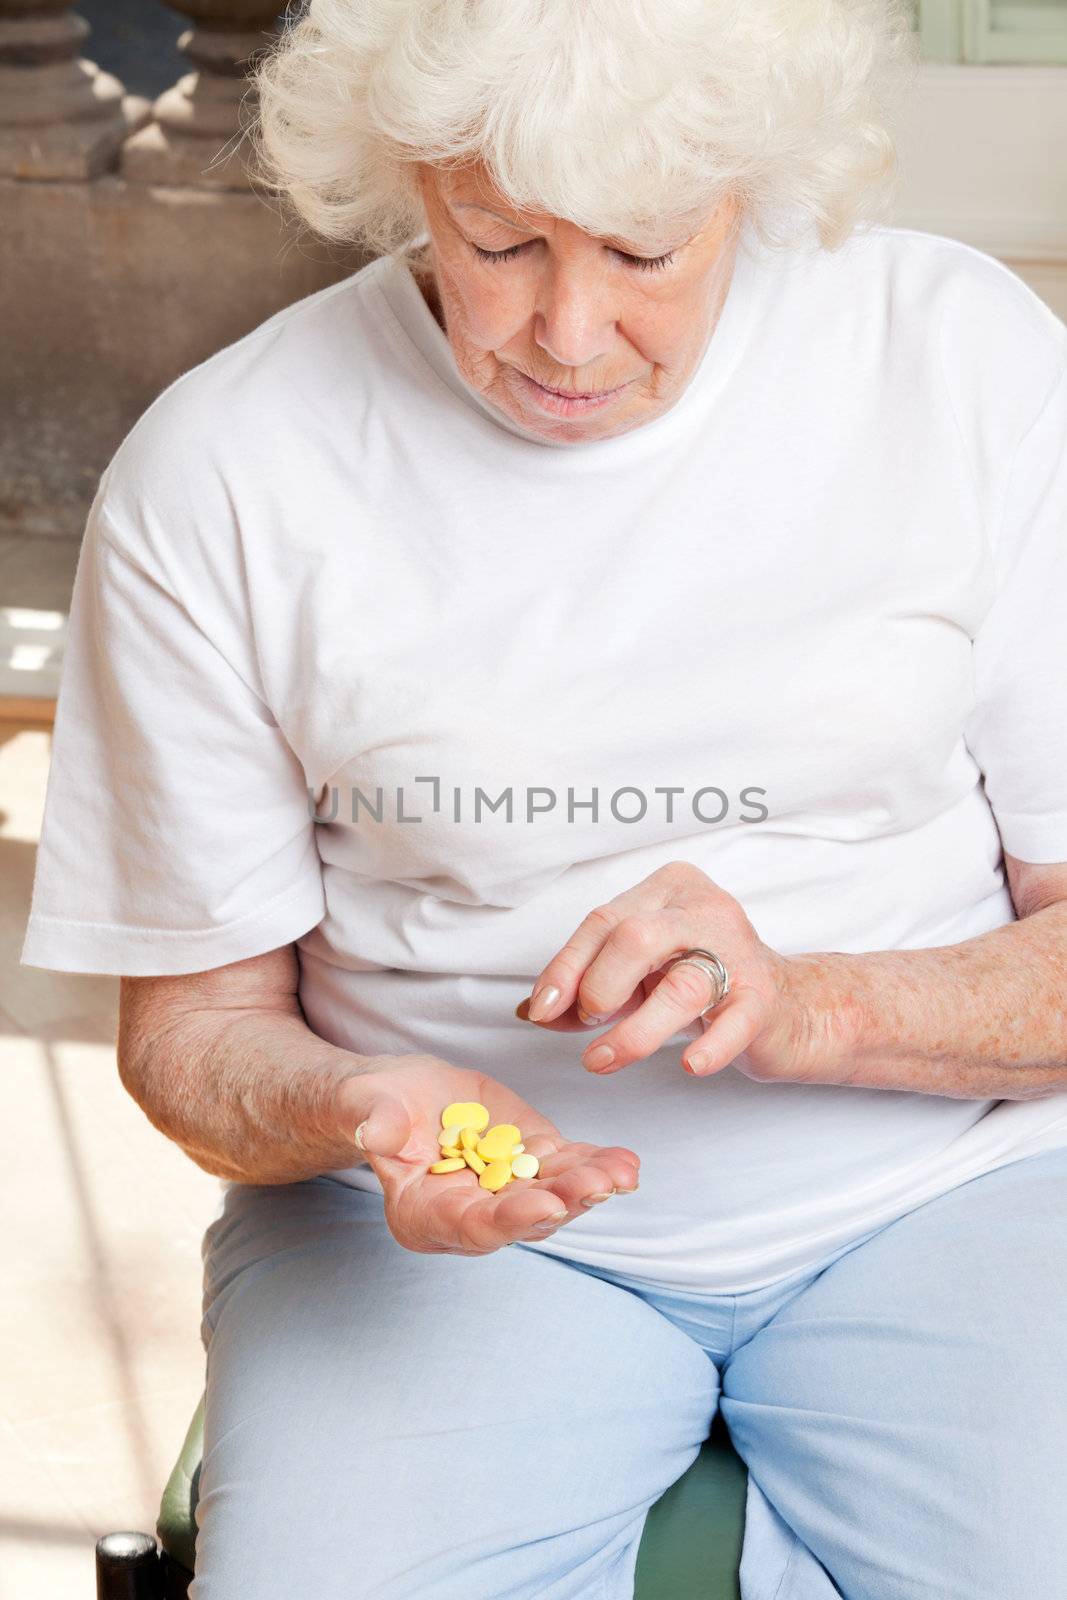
(830, 582)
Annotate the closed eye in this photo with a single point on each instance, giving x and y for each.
(644, 263)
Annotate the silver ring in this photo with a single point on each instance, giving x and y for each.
(709, 963)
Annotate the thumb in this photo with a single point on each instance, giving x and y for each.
(386, 1130)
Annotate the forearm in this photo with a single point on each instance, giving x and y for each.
(248, 1095)
(984, 1019)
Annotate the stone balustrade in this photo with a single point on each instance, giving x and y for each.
(60, 116)
(198, 134)
(133, 242)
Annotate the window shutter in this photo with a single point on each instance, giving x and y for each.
(994, 32)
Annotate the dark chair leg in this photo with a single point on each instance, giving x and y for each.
(176, 1578)
(127, 1567)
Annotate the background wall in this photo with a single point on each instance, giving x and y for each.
(984, 156)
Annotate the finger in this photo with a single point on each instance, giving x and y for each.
(386, 1130)
(678, 998)
(638, 946)
(621, 1164)
(526, 1208)
(492, 1221)
(461, 1214)
(577, 1184)
(447, 1212)
(455, 1213)
(478, 1224)
(557, 984)
(742, 1019)
(570, 1021)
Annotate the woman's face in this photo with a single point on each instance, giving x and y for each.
(568, 311)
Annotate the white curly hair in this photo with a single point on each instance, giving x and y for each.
(620, 116)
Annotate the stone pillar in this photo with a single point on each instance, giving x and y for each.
(198, 133)
(60, 116)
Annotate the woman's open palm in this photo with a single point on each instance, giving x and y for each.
(396, 1102)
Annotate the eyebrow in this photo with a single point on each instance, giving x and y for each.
(470, 205)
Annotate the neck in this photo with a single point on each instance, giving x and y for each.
(422, 272)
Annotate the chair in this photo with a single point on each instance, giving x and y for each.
(690, 1548)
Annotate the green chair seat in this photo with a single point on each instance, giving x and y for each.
(176, 1527)
(691, 1545)
(690, 1548)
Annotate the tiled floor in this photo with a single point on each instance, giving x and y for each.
(99, 1320)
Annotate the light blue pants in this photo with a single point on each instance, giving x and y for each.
(382, 1425)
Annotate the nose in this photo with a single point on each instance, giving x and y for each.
(575, 319)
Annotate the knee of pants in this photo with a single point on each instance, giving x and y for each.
(906, 1414)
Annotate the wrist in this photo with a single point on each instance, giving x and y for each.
(822, 1016)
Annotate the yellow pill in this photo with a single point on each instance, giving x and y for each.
(525, 1166)
(517, 1149)
(496, 1175)
(450, 1135)
(452, 1164)
(468, 1113)
(474, 1161)
(452, 1150)
(497, 1143)
(469, 1138)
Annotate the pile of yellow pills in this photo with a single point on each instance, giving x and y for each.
(496, 1154)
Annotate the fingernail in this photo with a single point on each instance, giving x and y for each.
(584, 1016)
(359, 1138)
(553, 1222)
(595, 1199)
(696, 1061)
(541, 1002)
(599, 1057)
(632, 1190)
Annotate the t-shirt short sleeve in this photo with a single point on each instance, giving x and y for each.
(1017, 730)
(177, 834)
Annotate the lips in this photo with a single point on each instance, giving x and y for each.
(577, 394)
(566, 402)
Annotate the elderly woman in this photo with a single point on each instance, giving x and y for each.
(639, 588)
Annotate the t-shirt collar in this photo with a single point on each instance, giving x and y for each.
(394, 278)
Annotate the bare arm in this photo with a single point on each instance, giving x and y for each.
(985, 1017)
(224, 1064)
